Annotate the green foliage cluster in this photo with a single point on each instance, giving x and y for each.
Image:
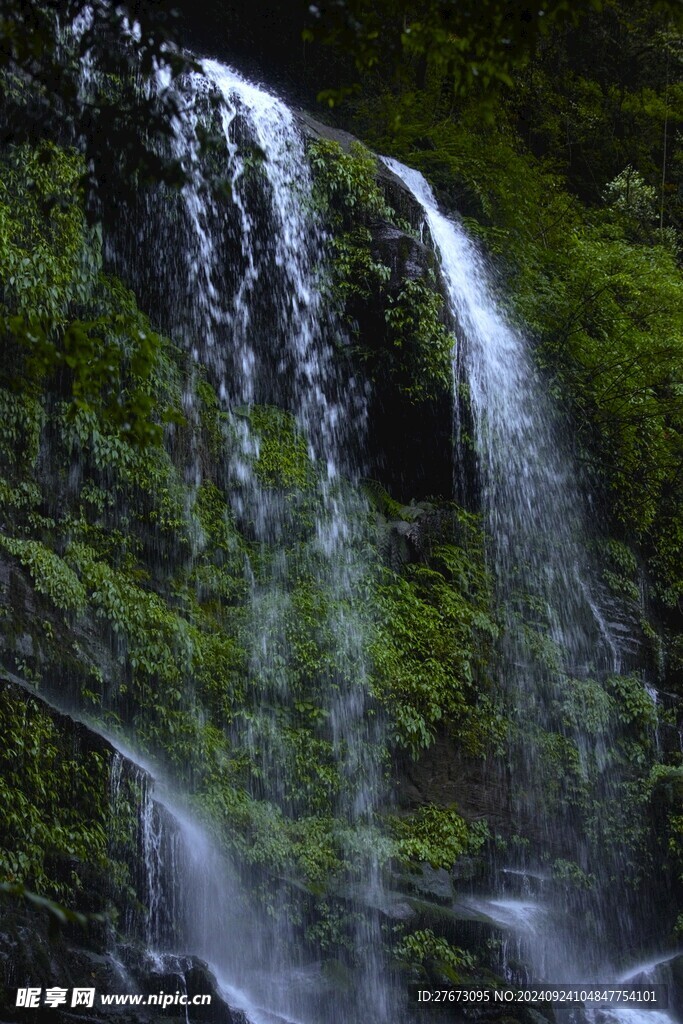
(283, 459)
(358, 276)
(45, 254)
(348, 197)
(20, 430)
(599, 103)
(471, 46)
(423, 948)
(634, 705)
(621, 569)
(213, 421)
(416, 329)
(435, 630)
(50, 574)
(60, 319)
(438, 836)
(346, 188)
(117, 124)
(666, 793)
(611, 342)
(55, 807)
(399, 330)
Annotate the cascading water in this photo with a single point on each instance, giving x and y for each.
(230, 267)
(188, 899)
(562, 640)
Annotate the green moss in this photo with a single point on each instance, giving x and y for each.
(60, 316)
(429, 652)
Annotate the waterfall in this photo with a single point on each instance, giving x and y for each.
(230, 268)
(528, 490)
(563, 639)
(188, 899)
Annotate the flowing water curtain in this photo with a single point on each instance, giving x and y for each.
(566, 644)
(282, 357)
(229, 266)
(184, 896)
(142, 841)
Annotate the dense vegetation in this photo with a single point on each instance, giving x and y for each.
(574, 190)
(105, 543)
(128, 572)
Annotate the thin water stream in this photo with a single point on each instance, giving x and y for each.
(539, 549)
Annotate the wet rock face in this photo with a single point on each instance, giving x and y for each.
(667, 972)
(407, 257)
(397, 423)
(30, 957)
(676, 991)
(443, 775)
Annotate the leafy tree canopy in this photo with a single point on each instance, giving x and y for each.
(476, 47)
(48, 90)
(474, 44)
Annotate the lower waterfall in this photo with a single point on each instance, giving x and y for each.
(191, 899)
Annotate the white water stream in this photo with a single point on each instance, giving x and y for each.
(538, 532)
(231, 265)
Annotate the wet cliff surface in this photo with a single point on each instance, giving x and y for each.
(289, 516)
